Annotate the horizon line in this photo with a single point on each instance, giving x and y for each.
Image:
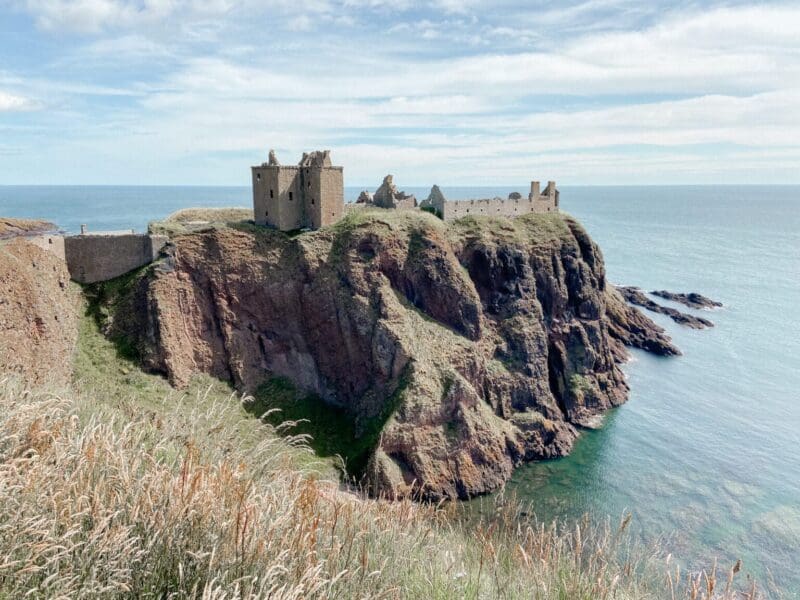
(408, 185)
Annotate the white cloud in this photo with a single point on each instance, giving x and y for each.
(300, 23)
(12, 102)
(575, 106)
(92, 16)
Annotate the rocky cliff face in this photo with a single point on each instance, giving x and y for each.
(468, 347)
(38, 314)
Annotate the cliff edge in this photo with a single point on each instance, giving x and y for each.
(456, 351)
(38, 314)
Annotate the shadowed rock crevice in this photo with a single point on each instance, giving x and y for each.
(454, 352)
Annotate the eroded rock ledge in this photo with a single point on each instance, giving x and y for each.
(636, 296)
(692, 299)
(459, 350)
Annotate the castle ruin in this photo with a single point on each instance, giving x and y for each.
(307, 195)
(310, 195)
(513, 206)
(388, 196)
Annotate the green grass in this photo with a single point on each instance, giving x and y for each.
(533, 229)
(194, 220)
(331, 431)
(109, 373)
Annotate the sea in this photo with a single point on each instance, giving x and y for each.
(706, 452)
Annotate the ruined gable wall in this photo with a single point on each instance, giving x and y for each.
(93, 258)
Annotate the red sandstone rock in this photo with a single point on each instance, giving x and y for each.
(474, 346)
(38, 314)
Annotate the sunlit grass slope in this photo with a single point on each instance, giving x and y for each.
(121, 487)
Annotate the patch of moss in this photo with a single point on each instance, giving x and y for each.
(332, 429)
(105, 299)
(433, 211)
(582, 387)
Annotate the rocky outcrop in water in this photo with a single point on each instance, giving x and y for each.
(692, 299)
(635, 296)
(631, 328)
(458, 351)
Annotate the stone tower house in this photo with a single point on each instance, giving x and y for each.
(289, 197)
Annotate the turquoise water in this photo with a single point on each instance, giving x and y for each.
(707, 450)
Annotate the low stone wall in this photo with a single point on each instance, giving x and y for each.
(93, 258)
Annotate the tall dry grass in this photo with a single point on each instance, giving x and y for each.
(169, 506)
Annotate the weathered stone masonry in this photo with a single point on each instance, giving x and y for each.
(100, 257)
(514, 206)
(307, 195)
(311, 195)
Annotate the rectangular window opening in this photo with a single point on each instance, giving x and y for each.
(290, 196)
(271, 194)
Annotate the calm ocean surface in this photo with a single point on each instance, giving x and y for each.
(706, 453)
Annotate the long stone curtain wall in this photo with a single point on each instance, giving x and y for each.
(494, 207)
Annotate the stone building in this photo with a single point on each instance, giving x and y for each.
(513, 206)
(388, 196)
(307, 195)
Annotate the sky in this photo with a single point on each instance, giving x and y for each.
(194, 92)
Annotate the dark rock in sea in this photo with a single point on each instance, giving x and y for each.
(692, 299)
(636, 296)
(632, 328)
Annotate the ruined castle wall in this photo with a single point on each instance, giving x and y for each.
(488, 207)
(313, 188)
(544, 205)
(331, 196)
(93, 258)
(265, 195)
(292, 210)
(494, 207)
(405, 204)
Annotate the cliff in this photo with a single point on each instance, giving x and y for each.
(10, 228)
(38, 314)
(454, 351)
